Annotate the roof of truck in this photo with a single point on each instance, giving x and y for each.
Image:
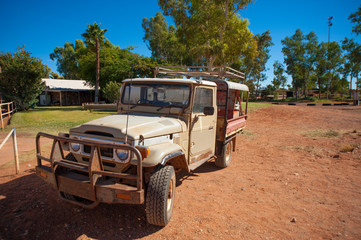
(217, 74)
(175, 80)
(236, 86)
(231, 85)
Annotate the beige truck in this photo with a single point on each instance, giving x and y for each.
(163, 125)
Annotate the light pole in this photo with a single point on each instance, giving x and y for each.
(328, 43)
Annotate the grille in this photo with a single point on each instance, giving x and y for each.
(105, 152)
(108, 164)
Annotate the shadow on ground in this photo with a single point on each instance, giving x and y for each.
(31, 209)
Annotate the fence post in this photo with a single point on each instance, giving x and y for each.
(16, 156)
(1, 117)
(9, 110)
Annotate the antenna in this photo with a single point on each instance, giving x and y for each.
(130, 85)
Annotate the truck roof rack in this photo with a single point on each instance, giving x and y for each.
(204, 72)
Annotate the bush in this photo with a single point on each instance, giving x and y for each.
(20, 78)
(312, 99)
(112, 91)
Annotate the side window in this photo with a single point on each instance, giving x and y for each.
(203, 98)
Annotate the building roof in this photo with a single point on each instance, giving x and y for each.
(66, 85)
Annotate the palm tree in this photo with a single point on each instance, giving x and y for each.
(93, 35)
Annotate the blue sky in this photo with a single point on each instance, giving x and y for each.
(42, 25)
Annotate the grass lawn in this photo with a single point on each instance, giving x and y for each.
(52, 119)
(60, 119)
(256, 105)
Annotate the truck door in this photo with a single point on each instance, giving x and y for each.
(203, 131)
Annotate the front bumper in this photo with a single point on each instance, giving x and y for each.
(89, 182)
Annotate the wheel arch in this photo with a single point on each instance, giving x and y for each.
(165, 154)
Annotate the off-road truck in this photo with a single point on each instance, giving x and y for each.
(163, 125)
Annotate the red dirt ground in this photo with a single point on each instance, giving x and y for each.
(286, 181)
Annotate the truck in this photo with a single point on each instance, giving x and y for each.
(163, 125)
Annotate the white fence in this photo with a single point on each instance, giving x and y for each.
(6, 109)
(15, 144)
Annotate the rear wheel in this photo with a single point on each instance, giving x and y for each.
(160, 196)
(224, 160)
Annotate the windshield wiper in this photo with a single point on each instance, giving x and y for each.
(171, 105)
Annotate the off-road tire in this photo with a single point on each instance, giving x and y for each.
(69, 157)
(224, 160)
(160, 196)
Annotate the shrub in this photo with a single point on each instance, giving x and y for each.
(112, 91)
(20, 77)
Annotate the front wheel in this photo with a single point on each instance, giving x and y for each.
(69, 157)
(160, 196)
(224, 159)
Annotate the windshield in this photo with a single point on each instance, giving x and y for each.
(154, 94)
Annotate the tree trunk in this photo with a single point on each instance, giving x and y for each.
(97, 72)
(210, 62)
(225, 24)
(328, 88)
(305, 89)
(351, 85)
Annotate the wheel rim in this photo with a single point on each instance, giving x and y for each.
(170, 196)
(228, 152)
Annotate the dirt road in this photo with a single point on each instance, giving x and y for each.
(295, 175)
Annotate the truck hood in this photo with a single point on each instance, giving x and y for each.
(138, 124)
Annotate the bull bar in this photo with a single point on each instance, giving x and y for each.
(86, 181)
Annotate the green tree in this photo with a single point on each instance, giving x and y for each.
(279, 78)
(116, 64)
(54, 75)
(112, 91)
(334, 66)
(264, 42)
(356, 18)
(93, 36)
(161, 39)
(268, 90)
(20, 77)
(309, 59)
(66, 61)
(253, 61)
(300, 57)
(292, 51)
(213, 31)
(352, 66)
(321, 68)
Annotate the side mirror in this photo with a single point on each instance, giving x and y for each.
(208, 110)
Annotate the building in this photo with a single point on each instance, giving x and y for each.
(62, 92)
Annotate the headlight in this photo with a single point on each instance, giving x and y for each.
(75, 146)
(122, 154)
